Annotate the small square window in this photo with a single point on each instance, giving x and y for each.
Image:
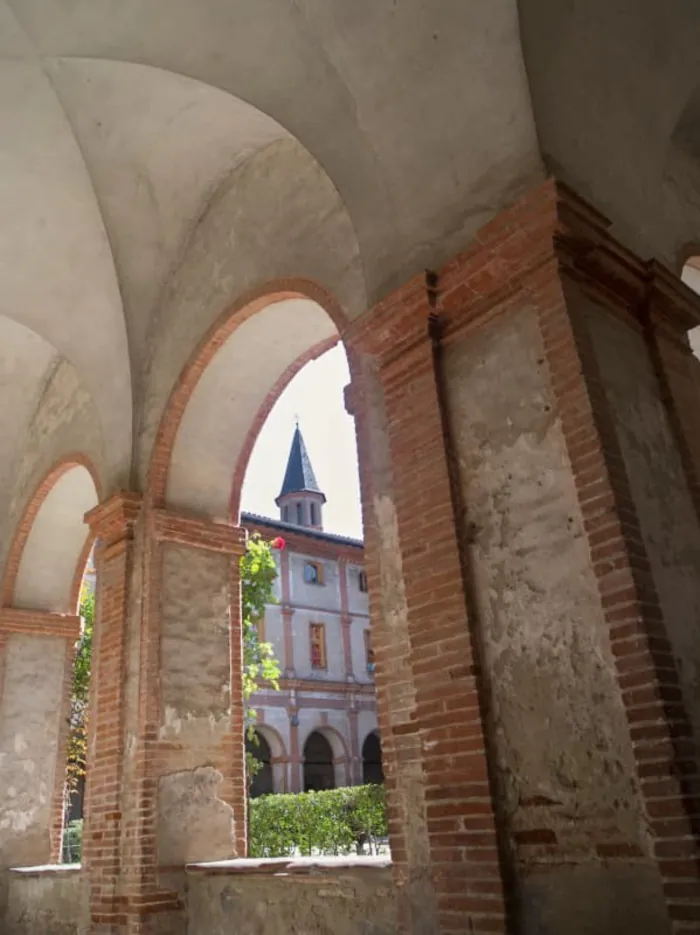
(313, 573)
(362, 582)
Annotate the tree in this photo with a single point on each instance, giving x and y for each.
(258, 573)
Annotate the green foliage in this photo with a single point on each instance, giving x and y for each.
(258, 573)
(73, 842)
(77, 739)
(337, 821)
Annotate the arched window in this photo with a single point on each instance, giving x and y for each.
(318, 764)
(261, 783)
(300, 514)
(372, 771)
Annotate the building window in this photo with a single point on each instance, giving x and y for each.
(300, 514)
(313, 573)
(317, 645)
(285, 513)
(362, 582)
(369, 652)
(312, 511)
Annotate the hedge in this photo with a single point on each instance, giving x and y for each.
(338, 821)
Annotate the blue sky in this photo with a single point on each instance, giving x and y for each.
(315, 395)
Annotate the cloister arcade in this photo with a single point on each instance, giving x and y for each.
(491, 204)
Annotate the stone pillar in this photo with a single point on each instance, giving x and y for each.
(166, 776)
(36, 658)
(533, 545)
(441, 818)
(295, 759)
(345, 620)
(582, 543)
(287, 615)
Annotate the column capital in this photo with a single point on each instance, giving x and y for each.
(114, 518)
(196, 532)
(397, 326)
(39, 623)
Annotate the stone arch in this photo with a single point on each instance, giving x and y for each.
(221, 385)
(372, 768)
(52, 543)
(338, 753)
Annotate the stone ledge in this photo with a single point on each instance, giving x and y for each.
(46, 868)
(285, 866)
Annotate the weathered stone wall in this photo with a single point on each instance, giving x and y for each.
(30, 725)
(193, 820)
(304, 897)
(566, 776)
(44, 901)
(652, 459)
(300, 898)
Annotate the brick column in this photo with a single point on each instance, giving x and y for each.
(584, 560)
(166, 782)
(442, 826)
(36, 657)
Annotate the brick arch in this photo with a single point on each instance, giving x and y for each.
(57, 472)
(228, 323)
(261, 417)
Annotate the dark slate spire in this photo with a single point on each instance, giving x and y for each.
(299, 476)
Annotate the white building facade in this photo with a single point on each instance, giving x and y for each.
(319, 730)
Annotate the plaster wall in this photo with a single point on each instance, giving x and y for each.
(44, 901)
(659, 487)
(335, 663)
(274, 631)
(345, 900)
(359, 657)
(564, 762)
(358, 601)
(326, 595)
(30, 721)
(194, 823)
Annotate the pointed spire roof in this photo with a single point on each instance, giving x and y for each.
(299, 476)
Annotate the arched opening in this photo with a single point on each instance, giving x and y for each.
(372, 771)
(41, 592)
(319, 772)
(262, 781)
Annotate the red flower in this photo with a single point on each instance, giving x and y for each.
(278, 543)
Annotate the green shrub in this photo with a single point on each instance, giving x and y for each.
(339, 821)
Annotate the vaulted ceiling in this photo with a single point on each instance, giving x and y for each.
(158, 159)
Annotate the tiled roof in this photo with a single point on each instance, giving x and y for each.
(279, 526)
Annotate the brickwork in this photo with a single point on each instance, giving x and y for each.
(439, 735)
(148, 751)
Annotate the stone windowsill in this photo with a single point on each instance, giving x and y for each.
(285, 866)
(46, 868)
